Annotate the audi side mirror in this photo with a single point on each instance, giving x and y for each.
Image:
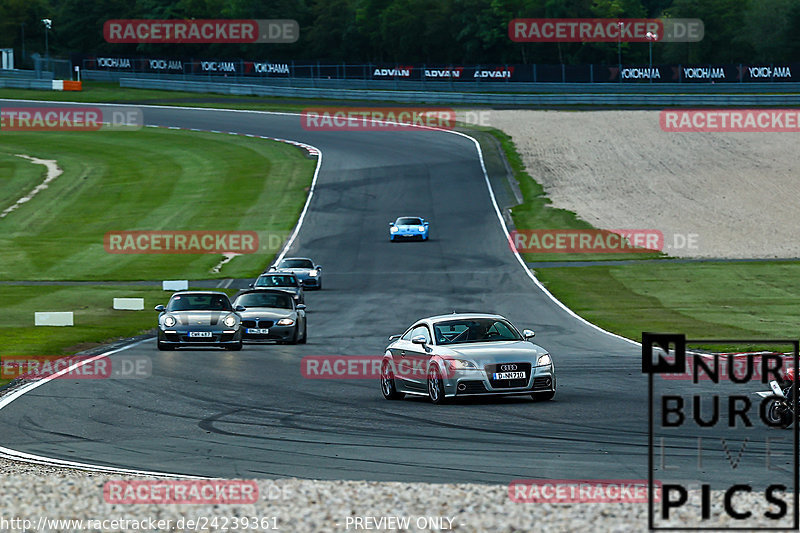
(419, 339)
(239, 308)
(159, 308)
(301, 306)
(528, 334)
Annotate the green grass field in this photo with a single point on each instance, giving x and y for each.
(715, 300)
(151, 179)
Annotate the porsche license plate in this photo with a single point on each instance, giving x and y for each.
(258, 331)
(199, 333)
(508, 375)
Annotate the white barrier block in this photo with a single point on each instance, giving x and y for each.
(175, 285)
(131, 304)
(58, 85)
(53, 319)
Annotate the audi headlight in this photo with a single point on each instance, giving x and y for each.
(394, 229)
(422, 228)
(544, 360)
(229, 321)
(460, 364)
(285, 322)
(169, 321)
(314, 273)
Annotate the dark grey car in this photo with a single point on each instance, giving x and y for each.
(199, 318)
(309, 273)
(285, 281)
(272, 315)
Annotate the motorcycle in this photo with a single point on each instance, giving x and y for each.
(778, 409)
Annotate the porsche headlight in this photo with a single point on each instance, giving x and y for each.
(229, 321)
(544, 360)
(394, 229)
(285, 322)
(314, 273)
(460, 364)
(421, 228)
(169, 321)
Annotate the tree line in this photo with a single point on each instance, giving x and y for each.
(443, 32)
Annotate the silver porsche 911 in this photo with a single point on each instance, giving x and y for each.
(451, 356)
(199, 318)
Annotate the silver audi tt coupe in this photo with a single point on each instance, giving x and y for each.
(451, 356)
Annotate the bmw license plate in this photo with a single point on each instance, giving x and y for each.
(258, 331)
(508, 375)
(199, 333)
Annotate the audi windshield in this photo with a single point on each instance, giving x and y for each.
(474, 330)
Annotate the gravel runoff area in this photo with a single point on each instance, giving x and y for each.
(618, 170)
(310, 506)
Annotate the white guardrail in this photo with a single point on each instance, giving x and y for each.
(617, 100)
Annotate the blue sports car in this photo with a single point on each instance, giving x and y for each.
(408, 228)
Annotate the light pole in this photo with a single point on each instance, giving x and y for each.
(651, 37)
(47, 25)
(619, 50)
(22, 25)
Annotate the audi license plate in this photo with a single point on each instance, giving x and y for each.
(258, 331)
(508, 375)
(199, 333)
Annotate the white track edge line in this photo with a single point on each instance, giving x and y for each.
(516, 253)
(9, 453)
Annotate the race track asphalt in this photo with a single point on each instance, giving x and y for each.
(252, 414)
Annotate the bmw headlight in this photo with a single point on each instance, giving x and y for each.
(285, 322)
(460, 364)
(394, 229)
(544, 360)
(229, 321)
(169, 321)
(421, 228)
(314, 273)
